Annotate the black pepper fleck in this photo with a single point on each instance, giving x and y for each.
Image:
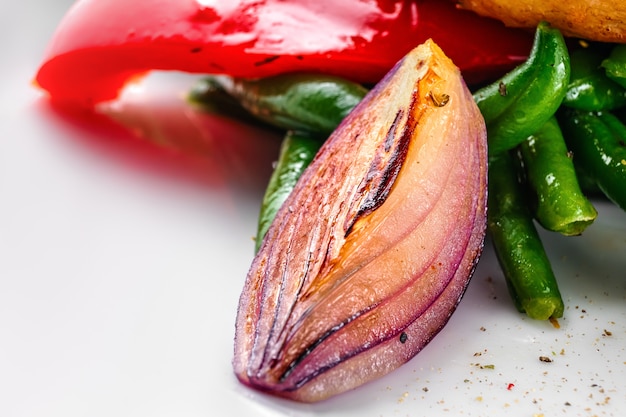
(267, 60)
(502, 89)
(403, 337)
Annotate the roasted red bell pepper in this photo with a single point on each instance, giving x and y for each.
(102, 44)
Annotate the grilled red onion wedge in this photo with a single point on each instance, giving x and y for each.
(371, 253)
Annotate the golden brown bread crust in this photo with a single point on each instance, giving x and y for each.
(598, 20)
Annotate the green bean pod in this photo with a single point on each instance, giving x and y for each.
(615, 64)
(598, 143)
(303, 102)
(296, 153)
(210, 96)
(560, 205)
(590, 88)
(516, 105)
(520, 252)
(588, 185)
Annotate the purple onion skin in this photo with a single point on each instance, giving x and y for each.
(373, 250)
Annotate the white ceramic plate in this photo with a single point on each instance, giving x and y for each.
(120, 270)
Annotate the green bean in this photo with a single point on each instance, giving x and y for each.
(598, 143)
(522, 100)
(520, 252)
(211, 97)
(587, 185)
(615, 64)
(296, 153)
(590, 88)
(304, 102)
(560, 204)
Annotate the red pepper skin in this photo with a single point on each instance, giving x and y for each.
(101, 45)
